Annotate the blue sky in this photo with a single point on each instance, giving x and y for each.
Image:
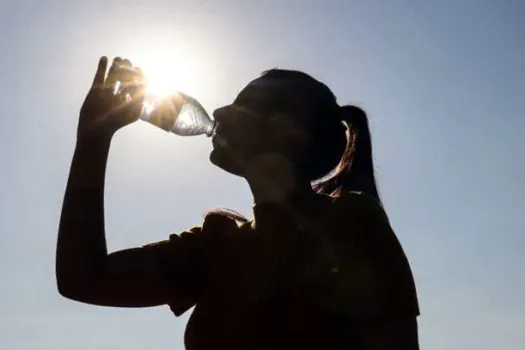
(442, 81)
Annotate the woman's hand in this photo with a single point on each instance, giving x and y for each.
(105, 110)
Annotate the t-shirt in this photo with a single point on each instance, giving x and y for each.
(306, 278)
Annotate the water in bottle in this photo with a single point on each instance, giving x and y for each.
(178, 113)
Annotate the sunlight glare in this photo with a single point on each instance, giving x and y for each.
(168, 71)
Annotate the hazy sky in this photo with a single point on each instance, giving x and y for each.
(442, 80)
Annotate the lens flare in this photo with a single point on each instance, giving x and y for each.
(167, 72)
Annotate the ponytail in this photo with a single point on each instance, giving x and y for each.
(355, 171)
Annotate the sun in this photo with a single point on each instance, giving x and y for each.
(167, 72)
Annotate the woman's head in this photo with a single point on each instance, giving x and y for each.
(291, 114)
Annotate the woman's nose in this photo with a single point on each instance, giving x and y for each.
(228, 115)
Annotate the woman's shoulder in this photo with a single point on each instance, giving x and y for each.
(223, 223)
(353, 203)
(215, 224)
(356, 216)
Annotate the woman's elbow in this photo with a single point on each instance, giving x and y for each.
(73, 288)
(67, 289)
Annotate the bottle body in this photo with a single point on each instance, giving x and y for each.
(178, 113)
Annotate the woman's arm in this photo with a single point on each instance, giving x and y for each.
(84, 270)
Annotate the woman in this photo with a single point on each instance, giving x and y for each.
(317, 268)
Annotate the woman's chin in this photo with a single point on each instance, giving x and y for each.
(225, 161)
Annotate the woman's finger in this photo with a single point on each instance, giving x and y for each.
(112, 77)
(100, 74)
(125, 63)
(139, 75)
(135, 83)
(126, 74)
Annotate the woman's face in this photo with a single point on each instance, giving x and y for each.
(269, 116)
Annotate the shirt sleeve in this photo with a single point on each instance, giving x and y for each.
(186, 259)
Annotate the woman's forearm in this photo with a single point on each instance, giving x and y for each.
(81, 246)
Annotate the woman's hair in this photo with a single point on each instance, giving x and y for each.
(340, 159)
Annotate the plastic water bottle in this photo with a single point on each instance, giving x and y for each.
(178, 113)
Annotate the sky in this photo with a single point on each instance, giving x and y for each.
(443, 83)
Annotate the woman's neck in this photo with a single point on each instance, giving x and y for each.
(273, 180)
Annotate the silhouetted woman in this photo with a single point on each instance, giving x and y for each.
(318, 267)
